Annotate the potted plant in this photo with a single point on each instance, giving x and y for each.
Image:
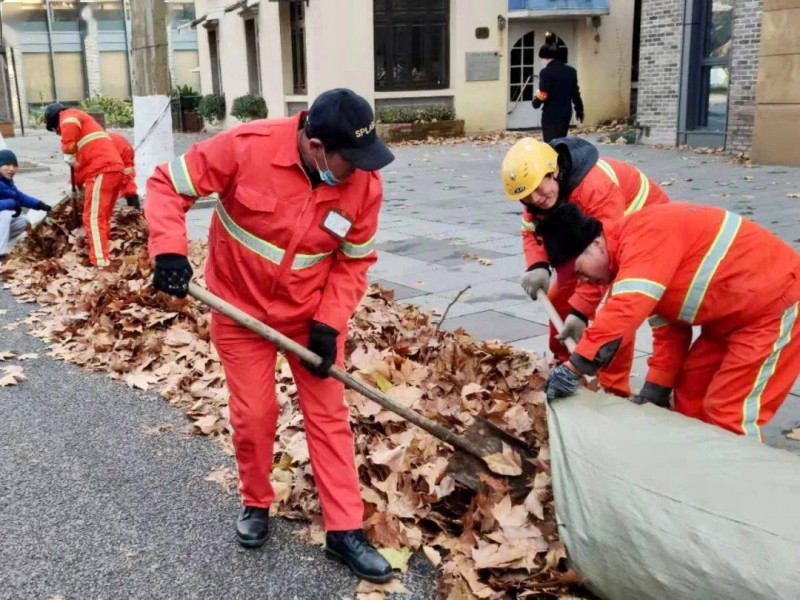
(249, 107)
(212, 108)
(396, 124)
(184, 104)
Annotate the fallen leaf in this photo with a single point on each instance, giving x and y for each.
(142, 381)
(29, 356)
(13, 375)
(6, 355)
(793, 195)
(206, 424)
(433, 555)
(397, 558)
(794, 434)
(486, 261)
(158, 429)
(507, 462)
(395, 586)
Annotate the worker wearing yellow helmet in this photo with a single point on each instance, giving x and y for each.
(544, 176)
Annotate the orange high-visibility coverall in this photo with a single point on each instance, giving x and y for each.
(610, 190)
(273, 254)
(126, 154)
(99, 169)
(682, 265)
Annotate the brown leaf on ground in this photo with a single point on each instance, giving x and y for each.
(12, 375)
(158, 429)
(794, 434)
(7, 355)
(29, 356)
(507, 462)
(368, 591)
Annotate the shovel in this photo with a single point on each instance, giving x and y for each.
(480, 440)
(555, 318)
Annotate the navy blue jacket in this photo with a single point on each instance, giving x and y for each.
(11, 198)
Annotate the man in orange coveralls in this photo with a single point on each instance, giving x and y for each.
(545, 176)
(682, 265)
(128, 189)
(98, 167)
(290, 243)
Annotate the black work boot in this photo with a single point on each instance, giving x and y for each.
(353, 549)
(133, 201)
(252, 527)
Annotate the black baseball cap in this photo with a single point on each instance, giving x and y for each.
(344, 122)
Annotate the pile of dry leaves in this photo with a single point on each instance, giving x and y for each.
(486, 545)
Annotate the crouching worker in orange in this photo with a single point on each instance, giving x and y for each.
(290, 244)
(128, 189)
(569, 170)
(683, 265)
(88, 149)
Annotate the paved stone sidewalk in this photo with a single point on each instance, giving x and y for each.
(444, 211)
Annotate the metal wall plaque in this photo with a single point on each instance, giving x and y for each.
(483, 66)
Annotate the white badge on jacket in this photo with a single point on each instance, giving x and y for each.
(336, 223)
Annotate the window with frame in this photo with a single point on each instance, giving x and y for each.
(213, 56)
(297, 25)
(252, 49)
(412, 40)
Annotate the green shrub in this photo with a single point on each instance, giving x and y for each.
(423, 114)
(249, 107)
(212, 108)
(117, 112)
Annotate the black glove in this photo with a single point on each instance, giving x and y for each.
(17, 210)
(654, 394)
(172, 274)
(45, 207)
(322, 342)
(580, 117)
(133, 201)
(562, 382)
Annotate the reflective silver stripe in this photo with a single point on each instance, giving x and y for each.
(527, 225)
(92, 137)
(752, 404)
(71, 120)
(608, 171)
(181, 180)
(649, 288)
(711, 261)
(271, 252)
(94, 222)
(657, 321)
(641, 196)
(358, 250)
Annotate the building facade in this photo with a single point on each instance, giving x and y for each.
(478, 56)
(710, 74)
(70, 50)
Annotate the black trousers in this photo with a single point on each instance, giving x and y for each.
(552, 131)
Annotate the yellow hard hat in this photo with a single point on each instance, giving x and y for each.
(525, 165)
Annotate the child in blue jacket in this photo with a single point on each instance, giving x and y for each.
(12, 201)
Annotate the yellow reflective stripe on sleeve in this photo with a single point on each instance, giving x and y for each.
(181, 180)
(651, 289)
(97, 135)
(608, 171)
(708, 267)
(128, 170)
(263, 248)
(527, 225)
(356, 251)
(641, 195)
(752, 403)
(657, 321)
(72, 120)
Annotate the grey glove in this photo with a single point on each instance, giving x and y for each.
(534, 280)
(562, 382)
(654, 394)
(574, 325)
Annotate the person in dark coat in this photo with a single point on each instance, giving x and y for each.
(558, 90)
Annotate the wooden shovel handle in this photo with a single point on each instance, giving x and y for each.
(555, 318)
(288, 345)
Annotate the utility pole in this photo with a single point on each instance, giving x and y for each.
(152, 117)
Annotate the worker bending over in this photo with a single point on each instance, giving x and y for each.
(88, 150)
(682, 265)
(569, 170)
(290, 243)
(128, 189)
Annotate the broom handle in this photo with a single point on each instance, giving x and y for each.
(288, 345)
(555, 318)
